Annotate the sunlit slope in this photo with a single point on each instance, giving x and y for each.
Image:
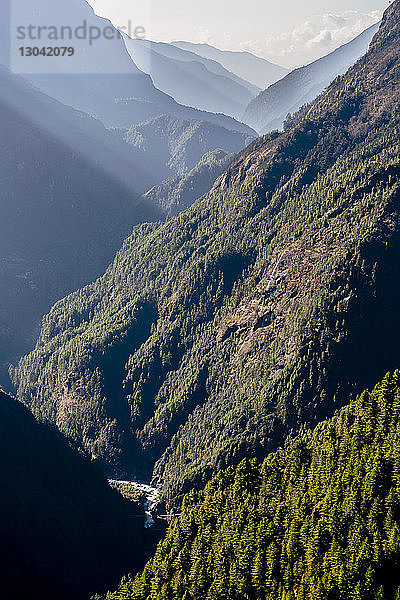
(317, 520)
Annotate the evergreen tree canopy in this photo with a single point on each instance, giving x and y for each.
(317, 520)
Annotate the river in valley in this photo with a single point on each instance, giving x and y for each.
(151, 495)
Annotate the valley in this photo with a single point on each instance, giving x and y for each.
(233, 324)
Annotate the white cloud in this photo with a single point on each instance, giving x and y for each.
(313, 38)
(204, 36)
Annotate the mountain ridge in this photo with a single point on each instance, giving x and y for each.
(300, 87)
(103, 81)
(177, 145)
(173, 51)
(191, 80)
(259, 71)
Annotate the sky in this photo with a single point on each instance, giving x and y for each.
(288, 32)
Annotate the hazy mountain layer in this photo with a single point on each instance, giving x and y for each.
(176, 53)
(189, 79)
(258, 71)
(71, 191)
(100, 79)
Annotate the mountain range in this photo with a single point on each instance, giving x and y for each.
(101, 79)
(319, 518)
(190, 79)
(220, 352)
(256, 70)
(174, 52)
(217, 335)
(71, 189)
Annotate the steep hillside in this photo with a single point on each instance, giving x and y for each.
(175, 146)
(258, 71)
(216, 335)
(64, 532)
(180, 192)
(70, 192)
(315, 521)
(191, 79)
(269, 110)
(100, 79)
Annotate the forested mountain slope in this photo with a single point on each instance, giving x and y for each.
(270, 108)
(175, 146)
(216, 335)
(317, 520)
(179, 193)
(64, 533)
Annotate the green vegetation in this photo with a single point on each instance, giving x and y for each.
(215, 336)
(175, 146)
(64, 532)
(179, 193)
(318, 520)
(221, 335)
